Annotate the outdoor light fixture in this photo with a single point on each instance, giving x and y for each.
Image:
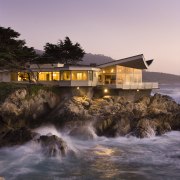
(78, 88)
(137, 90)
(105, 90)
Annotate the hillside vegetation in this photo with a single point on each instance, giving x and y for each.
(162, 78)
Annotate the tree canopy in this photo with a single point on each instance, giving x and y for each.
(63, 52)
(13, 52)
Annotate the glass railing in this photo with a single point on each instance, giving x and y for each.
(143, 85)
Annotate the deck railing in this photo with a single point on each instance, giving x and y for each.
(143, 85)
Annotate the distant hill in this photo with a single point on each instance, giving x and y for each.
(39, 52)
(95, 59)
(162, 78)
(88, 58)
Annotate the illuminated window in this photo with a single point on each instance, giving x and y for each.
(79, 75)
(22, 76)
(45, 76)
(65, 75)
(56, 76)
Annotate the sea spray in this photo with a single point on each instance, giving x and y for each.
(85, 132)
(52, 130)
(116, 158)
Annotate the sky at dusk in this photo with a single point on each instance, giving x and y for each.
(115, 28)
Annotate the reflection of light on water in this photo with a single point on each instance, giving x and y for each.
(102, 164)
(102, 151)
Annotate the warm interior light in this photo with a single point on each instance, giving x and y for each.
(137, 90)
(112, 70)
(105, 90)
(78, 88)
(103, 71)
(106, 96)
(54, 75)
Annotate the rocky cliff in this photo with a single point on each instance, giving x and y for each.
(22, 111)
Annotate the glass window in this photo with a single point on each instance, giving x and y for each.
(66, 75)
(137, 75)
(45, 76)
(56, 76)
(110, 79)
(79, 75)
(22, 76)
(128, 75)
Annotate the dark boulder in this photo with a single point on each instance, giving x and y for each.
(53, 145)
(16, 137)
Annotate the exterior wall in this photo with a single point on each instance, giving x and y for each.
(75, 83)
(1, 76)
(5, 77)
(95, 78)
(74, 91)
(131, 95)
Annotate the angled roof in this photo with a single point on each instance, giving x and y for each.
(137, 62)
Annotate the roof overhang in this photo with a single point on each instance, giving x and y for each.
(79, 68)
(65, 68)
(137, 62)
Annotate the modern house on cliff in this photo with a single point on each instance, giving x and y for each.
(123, 74)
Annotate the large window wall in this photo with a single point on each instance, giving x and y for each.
(56, 76)
(48, 76)
(79, 75)
(126, 75)
(108, 75)
(120, 75)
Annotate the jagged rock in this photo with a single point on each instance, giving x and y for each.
(16, 137)
(86, 104)
(20, 105)
(110, 116)
(53, 145)
(145, 128)
(160, 104)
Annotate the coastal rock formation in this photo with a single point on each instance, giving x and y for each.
(53, 145)
(24, 109)
(16, 137)
(108, 116)
(147, 117)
